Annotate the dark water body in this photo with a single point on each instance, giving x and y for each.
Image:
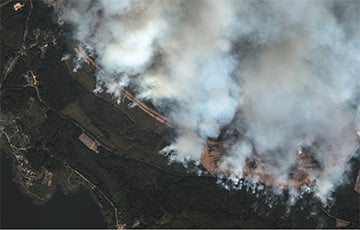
(76, 210)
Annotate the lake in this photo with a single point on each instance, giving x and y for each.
(76, 210)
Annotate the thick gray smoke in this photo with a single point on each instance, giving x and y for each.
(287, 71)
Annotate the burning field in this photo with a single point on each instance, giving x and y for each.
(270, 88)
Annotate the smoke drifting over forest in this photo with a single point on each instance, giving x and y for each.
(283, 74)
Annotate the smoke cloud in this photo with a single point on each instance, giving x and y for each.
(284, 74)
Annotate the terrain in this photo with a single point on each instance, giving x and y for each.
(46, 106)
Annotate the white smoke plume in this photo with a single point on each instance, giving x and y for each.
(285, 73)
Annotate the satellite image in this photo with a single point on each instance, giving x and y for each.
(118, 114)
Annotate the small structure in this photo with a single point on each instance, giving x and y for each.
(136, 223)
(121, 226)
(357, 183)
(31, 78)
(47, 179)
(18, 6)
(60, 21)
(89, 142)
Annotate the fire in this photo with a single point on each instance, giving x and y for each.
(256, 166)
